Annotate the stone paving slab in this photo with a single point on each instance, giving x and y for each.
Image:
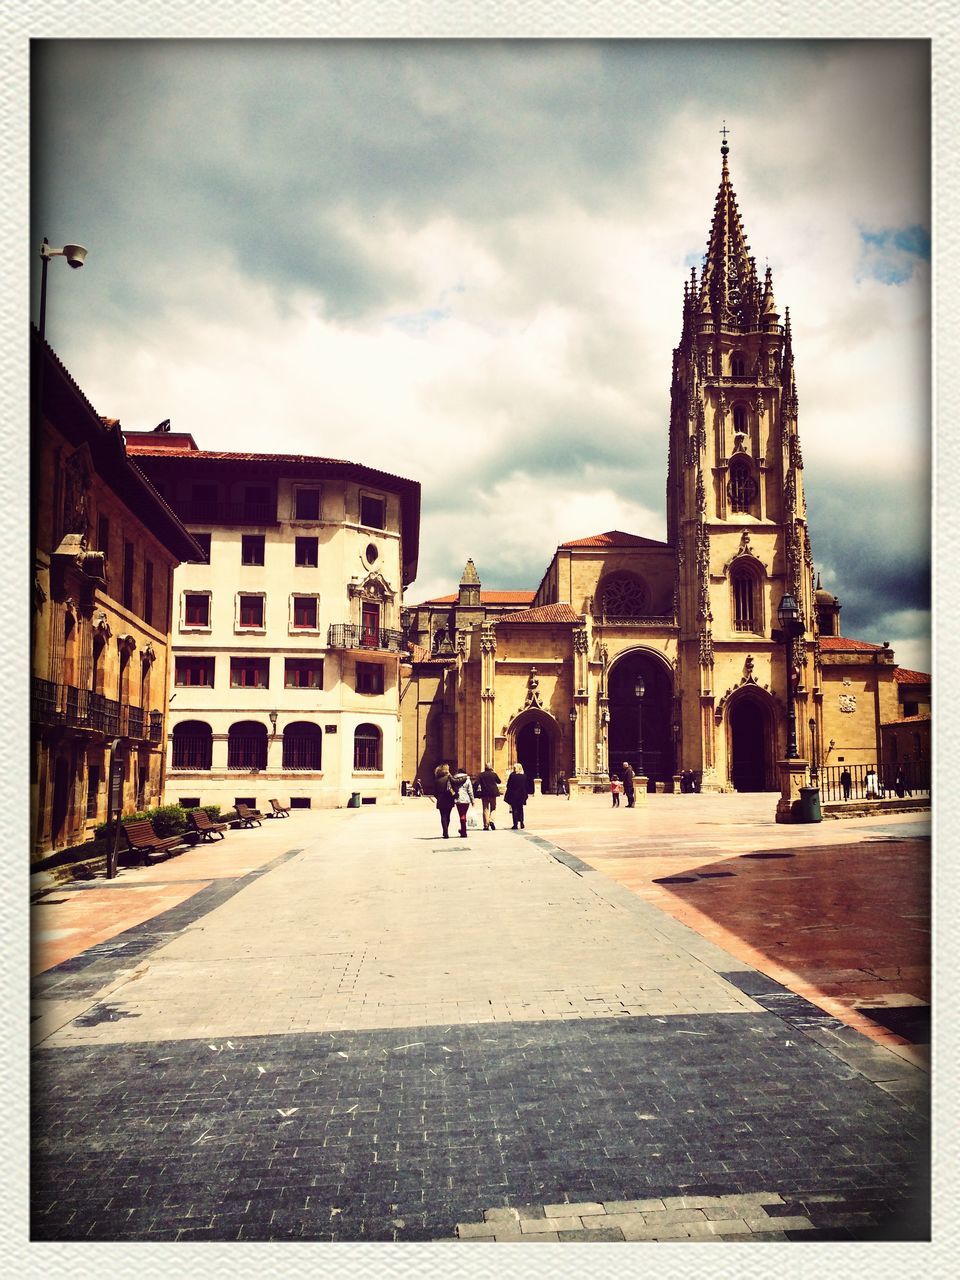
(343, 1136)
(374, 1037)
(383, 937)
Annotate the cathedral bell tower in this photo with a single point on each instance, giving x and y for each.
(736, 514)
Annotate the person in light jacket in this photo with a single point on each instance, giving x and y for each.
(463, 797)
(516, 795)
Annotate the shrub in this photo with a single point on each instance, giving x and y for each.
(167, 819)
(212, 811)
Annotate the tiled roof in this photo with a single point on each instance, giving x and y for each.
(908, 719)
(147, 449)
(486, 597)
(419, 654)
(615, 538)
(903, 676)
(841, 642)
(196, 455)
(542, 613)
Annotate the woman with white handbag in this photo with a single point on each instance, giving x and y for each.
(463, 798)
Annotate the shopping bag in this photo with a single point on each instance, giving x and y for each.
(473, 822)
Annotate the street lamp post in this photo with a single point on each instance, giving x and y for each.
(814, 755)
(536, 736)
(573, 742)
(640, 689)
(74, 254)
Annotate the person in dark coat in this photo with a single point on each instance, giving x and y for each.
(445, 793)
(488, 788)
(846, 782)
(629, 787)
(516, 794)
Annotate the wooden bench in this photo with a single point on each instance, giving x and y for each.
(204, 825)
(143, 841)
(279, 810)
(246, 816)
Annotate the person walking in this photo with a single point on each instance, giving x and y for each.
(488, 788)
(846, 782)
(629, 787)
(443, 790)
(615, 789)
(463, 796)
(871, 788)
(562, 788)
(516, 795)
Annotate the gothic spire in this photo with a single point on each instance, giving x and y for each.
(470, 576)
(729, 289)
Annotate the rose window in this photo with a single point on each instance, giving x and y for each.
(624, 596)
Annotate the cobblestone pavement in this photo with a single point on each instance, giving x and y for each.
(373, 1034)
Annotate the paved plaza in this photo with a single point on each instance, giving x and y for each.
(677, 1022)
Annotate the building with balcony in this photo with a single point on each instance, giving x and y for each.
(105, 548)
(668, 655)
(286, 630)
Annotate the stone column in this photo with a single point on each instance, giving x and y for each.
(793, 776)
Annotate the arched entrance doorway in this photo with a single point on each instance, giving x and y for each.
(749, 745)
(535, 749)
(640, 690)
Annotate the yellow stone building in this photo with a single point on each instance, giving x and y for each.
(669, 655)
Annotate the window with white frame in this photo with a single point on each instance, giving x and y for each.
(251, 611)
(195, 611)
(304, 613)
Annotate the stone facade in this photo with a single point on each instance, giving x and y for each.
(287, 638)
(105, 548)
(669, 655)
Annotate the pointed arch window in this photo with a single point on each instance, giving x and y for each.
(738, 364)
(746, 597)
(742, 486)
(740, 418)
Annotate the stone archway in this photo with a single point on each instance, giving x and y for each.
(537, 752)
(641, 728)
(750, 736)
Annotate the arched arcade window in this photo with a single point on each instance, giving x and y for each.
(367, 748)
(247, 745)
(192, 745)
(302, 745)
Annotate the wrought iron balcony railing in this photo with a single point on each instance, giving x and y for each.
(64, 704)
(346, 635)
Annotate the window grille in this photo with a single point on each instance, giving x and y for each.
(367, 753)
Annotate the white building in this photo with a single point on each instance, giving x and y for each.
(286, 641)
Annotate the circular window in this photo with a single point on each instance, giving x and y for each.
(372, 553)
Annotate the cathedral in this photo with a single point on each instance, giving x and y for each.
(675, 657)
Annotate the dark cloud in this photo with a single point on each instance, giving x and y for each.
(871, 537)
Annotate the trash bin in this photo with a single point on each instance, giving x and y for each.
(808, 806)
(354, 801)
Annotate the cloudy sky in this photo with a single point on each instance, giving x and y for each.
(463, 262)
